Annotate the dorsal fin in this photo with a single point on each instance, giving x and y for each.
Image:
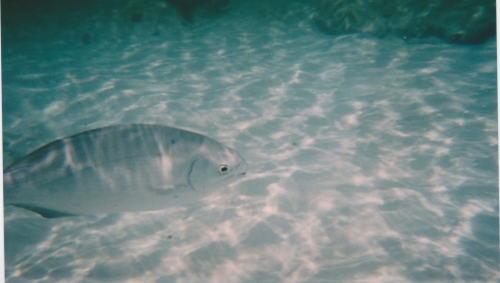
(14, 169)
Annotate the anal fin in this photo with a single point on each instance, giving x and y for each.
(44, 212)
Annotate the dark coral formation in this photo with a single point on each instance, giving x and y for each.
(457, 21)
(187, 8)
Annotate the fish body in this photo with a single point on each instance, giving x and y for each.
(135, 167)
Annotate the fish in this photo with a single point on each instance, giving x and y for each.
(120, 168)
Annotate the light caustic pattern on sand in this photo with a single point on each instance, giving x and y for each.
(370, 159)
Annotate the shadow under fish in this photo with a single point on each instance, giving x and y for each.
(134, 167)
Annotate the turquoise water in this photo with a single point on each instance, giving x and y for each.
(371, 158)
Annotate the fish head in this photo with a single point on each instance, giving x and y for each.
(216, 166)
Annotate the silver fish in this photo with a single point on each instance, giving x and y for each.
(133, 167)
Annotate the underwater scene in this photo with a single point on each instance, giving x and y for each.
(179, 141)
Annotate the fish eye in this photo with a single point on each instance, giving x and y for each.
(223, 168)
